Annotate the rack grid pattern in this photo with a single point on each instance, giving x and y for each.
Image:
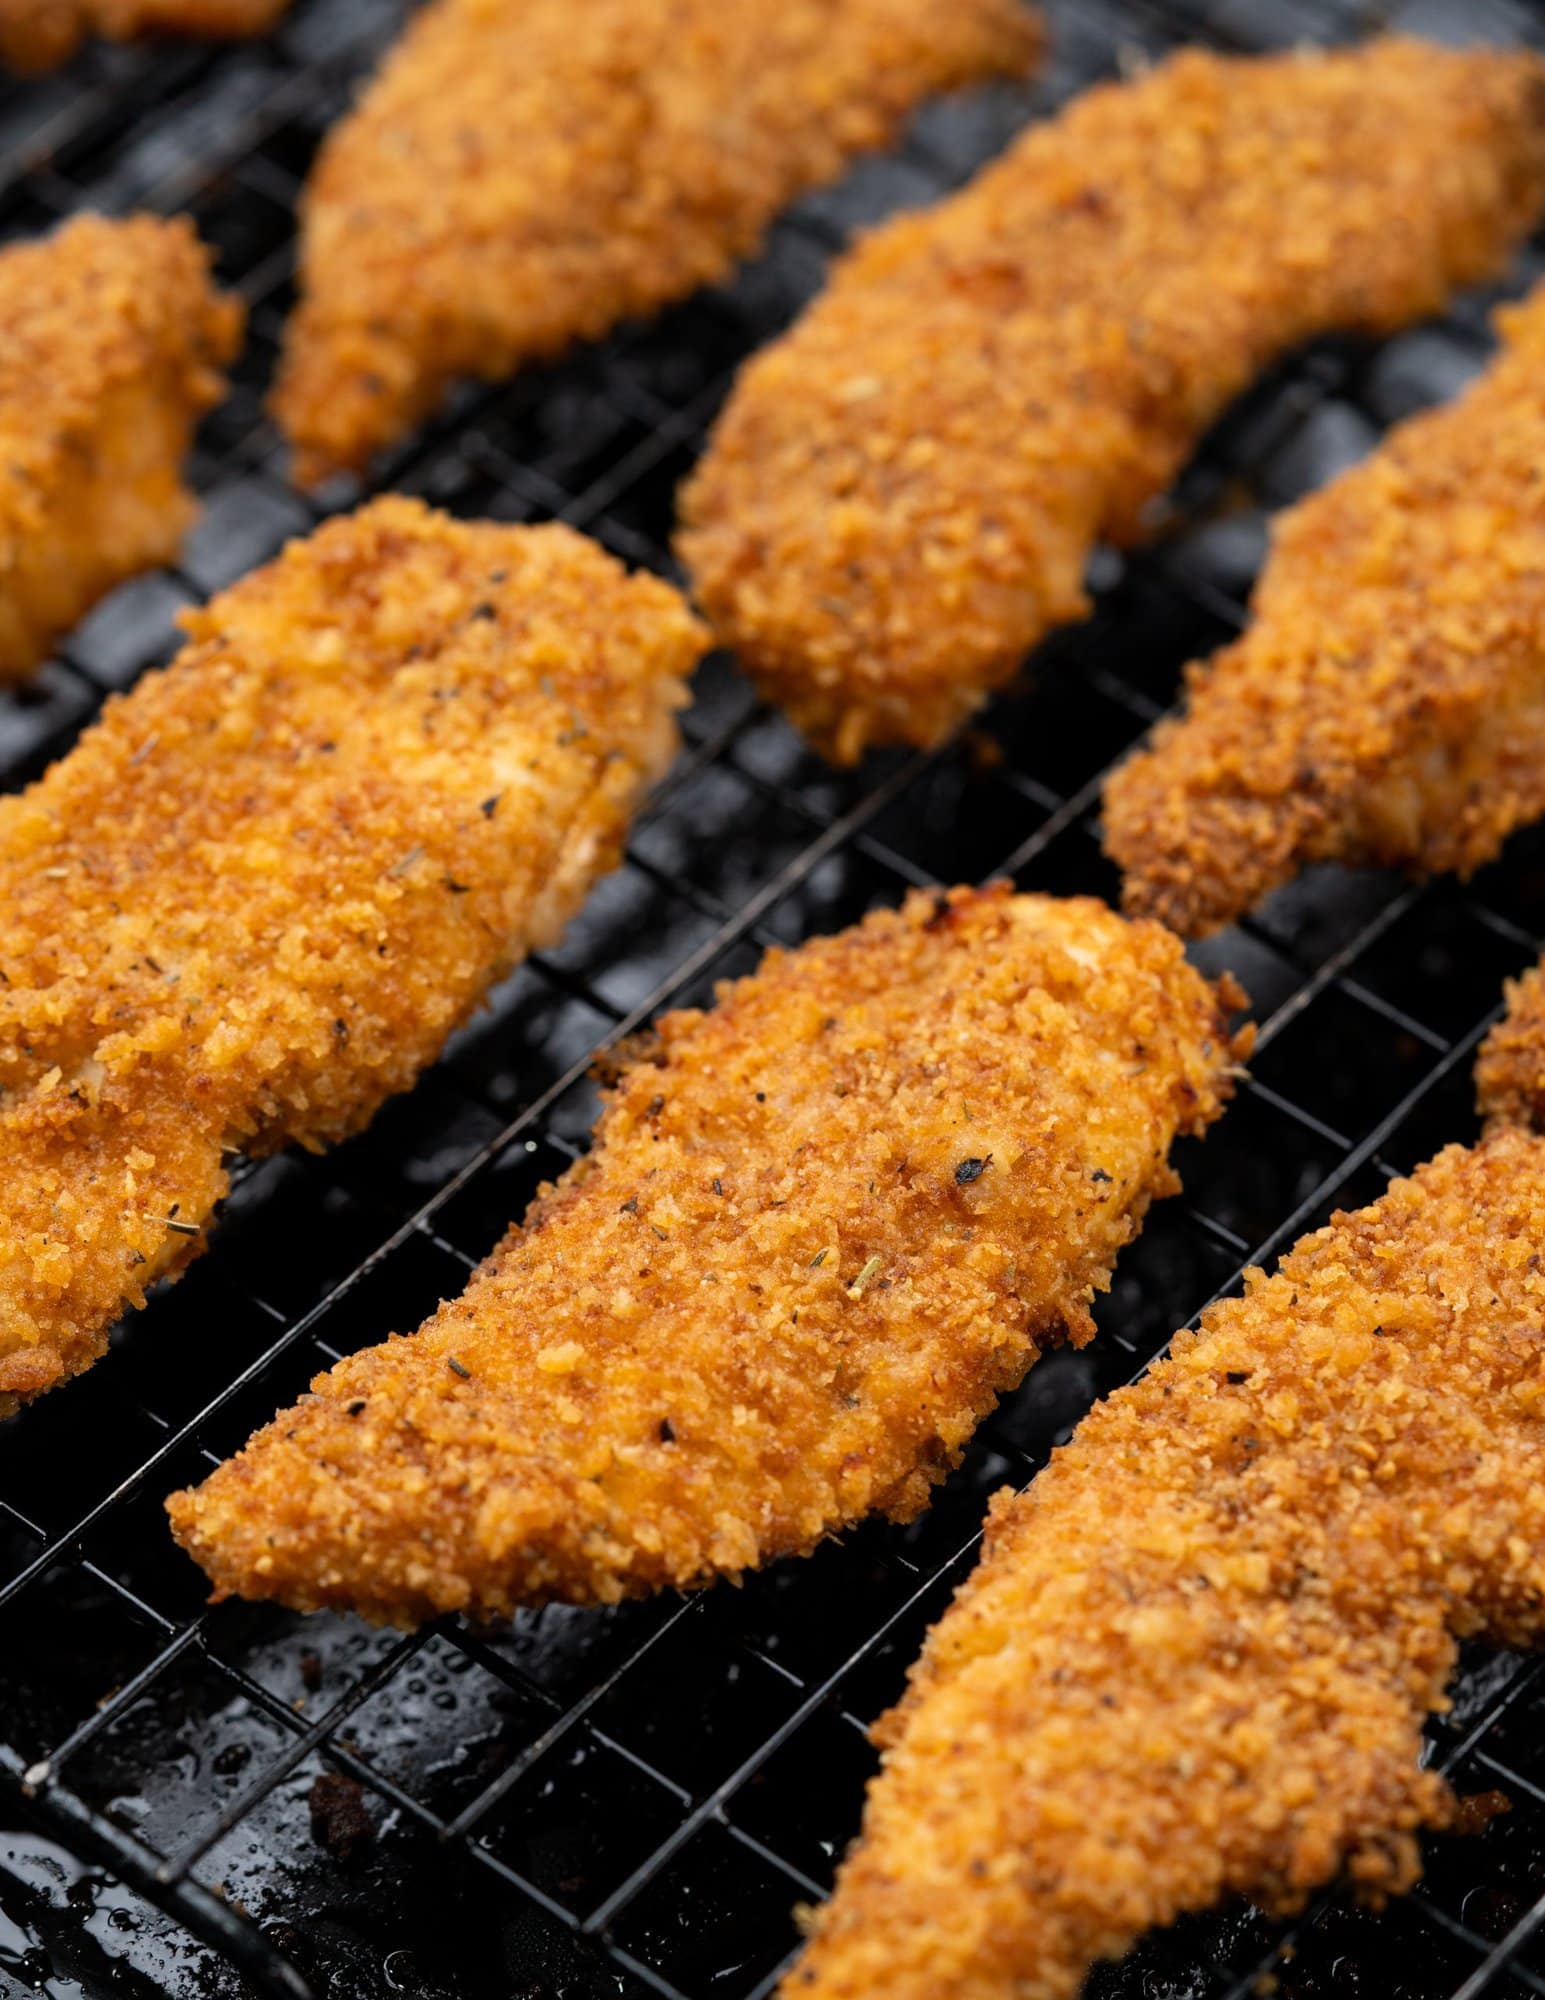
(234, 1801)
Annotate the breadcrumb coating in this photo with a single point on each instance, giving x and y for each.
(1387, 705)
(255, 899)
(40, 34)
(902, 493)
(112, 342)
(508, 186)
(1198, 1651)
(823, 1226)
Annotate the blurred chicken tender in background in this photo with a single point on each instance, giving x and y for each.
(112, 346)
(521, 177)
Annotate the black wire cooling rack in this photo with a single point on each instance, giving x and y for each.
(632, 1801)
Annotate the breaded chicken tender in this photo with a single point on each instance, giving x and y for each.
(823, 1226)
(1198, 1651)
(901, 495)
(1510, 1068)
(1387, 705)
(255, 899)
(522, 177)
(112, 342)
(39, 34)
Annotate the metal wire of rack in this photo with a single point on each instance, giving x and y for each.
(631, 1801)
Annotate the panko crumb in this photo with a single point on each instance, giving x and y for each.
(822, 1227)
(902, 494)
(256, 897)
(112, 346)
(511, 184)
(40, 34)
(1387, 705)
(1197, 1654)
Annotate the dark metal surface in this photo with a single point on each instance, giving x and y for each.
(631, 1802)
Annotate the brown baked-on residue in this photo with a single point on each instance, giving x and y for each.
(39, 34)
(1387, 705)
(516, 180)
(254, 899)
(823, 1225)
(1197, 1654)
(902, 493)
(112, 343)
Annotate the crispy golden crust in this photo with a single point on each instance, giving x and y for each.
(901, 495)
(257, 896)
(39, 34)
(1388, 703)
(508, 187)
(823, 1226)
(112, 339)
(1197, 1653)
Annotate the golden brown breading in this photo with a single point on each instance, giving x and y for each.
(1388, 703)
(900, 498)
(39, 34)
(112, 340)
(1196, 1656)
(516, 180)
(257, 896)
(823, 1226)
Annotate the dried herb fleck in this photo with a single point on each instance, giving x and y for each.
(863, 1277)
